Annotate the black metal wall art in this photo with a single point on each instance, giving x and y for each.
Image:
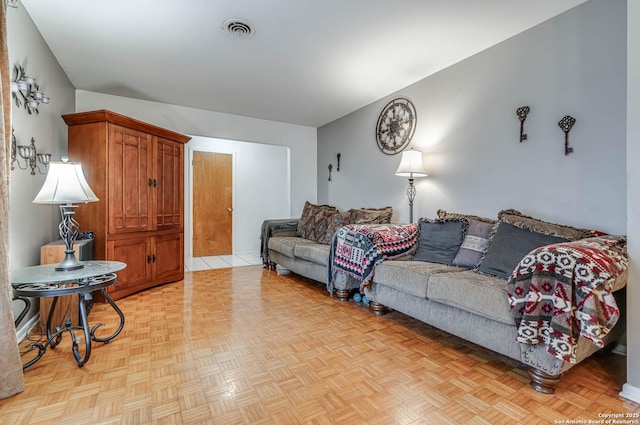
(522, 116)
(330, 168)
(565, 124)
(338, 167)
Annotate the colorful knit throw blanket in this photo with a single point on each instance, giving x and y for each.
(357, 248)
(562, 291)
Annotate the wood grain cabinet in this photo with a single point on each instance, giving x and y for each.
(137, 171)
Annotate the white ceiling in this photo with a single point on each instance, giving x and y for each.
(309, 61)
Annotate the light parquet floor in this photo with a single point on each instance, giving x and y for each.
(249, 346)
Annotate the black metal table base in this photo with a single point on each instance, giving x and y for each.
(85, 302)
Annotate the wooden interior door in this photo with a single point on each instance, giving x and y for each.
(212, 204)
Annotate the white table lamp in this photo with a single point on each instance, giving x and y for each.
(65, 185)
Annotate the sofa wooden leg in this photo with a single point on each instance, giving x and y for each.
(542, 381)
(378, 309)
(342, 294)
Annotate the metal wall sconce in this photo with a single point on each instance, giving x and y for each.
(565, 124)
(522, 116)
(30, 156)
(338, 167)
(25, 91)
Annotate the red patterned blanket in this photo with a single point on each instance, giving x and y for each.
(357, 248)
(562, 291)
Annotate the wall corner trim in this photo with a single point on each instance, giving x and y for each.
(630, 392)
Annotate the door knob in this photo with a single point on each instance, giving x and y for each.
(230, 209)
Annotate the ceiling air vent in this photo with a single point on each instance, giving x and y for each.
(238, 28)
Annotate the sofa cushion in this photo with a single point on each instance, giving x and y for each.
(371, 215)
(522, 221)
(440, 239)
(312, 214)
(474, 244)
(314, 252)
(286, 245)
(410, 277)
(476, 293)
(508, 245)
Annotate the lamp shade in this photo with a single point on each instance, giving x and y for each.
(411, 164)
(65, 184)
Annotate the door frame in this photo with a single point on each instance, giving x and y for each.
(188, 205)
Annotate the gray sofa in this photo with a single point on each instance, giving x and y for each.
(474, 307)
(461, 301)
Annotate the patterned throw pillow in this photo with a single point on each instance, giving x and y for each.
(447, 214)
(439, 240)
(371, 215)
(474, 244)
(522, 221)
(310, 213)
(510, 244)
(335, 222)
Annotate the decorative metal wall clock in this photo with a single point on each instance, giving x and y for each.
(396, 125)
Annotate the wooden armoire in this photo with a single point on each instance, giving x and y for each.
(137, 172)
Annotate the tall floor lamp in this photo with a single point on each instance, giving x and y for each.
(65, 185)
(411, 166)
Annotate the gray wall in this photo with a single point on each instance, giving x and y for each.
(30, 225)
(469, 132)
(632, 388)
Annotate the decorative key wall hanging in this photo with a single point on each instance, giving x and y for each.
(522, 116)
(565, 124)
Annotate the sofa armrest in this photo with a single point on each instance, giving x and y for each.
(286, 226)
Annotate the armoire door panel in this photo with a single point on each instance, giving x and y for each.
(169, 192)
(130, 171)
(136, 252)
(168, 260)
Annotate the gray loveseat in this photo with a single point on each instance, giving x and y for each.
(468, 302)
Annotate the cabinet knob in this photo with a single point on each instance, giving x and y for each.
(230, 209)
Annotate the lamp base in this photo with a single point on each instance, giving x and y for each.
(70, 262)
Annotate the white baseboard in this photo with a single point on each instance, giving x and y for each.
(630, 392)
(620, 349)
(25, 327)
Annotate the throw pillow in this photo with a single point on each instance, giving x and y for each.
(334, 223)
(448, 214)
(316, 227)
(474, 244)
(309, 212)
(508, 245)
(439, 240)
(522, 221)
(371, 215)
